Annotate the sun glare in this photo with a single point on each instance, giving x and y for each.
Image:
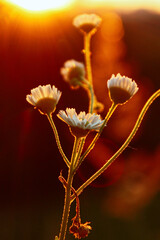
(40, 5)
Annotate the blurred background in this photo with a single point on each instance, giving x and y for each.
(36, 38)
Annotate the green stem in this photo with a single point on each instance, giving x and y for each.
(123, 147)
(109, 114)
(87, 54)
(49, 116)
(67, 201)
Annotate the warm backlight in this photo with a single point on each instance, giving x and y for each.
(40, 5)
(126, 4)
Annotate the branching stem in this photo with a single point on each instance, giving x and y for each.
(109, 114)
(67, 201)
(123, 147)
(57, 139)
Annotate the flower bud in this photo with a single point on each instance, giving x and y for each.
(73, 72)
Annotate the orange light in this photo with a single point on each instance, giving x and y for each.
(125, 4)
(41, 4)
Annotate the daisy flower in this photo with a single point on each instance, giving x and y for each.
(121, 88)
(73, 72)
(87, 22)
(80, 124)
(45, 98)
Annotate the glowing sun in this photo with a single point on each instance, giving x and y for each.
(40, 5)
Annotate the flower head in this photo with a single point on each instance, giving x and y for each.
(87, 22)
(80, 124)
(121, 88)
(45, 98)
(73, 72)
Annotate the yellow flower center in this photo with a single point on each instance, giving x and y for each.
(46, 105)
(79, 132)
(75, 72)
(119, 95)
(87, 27)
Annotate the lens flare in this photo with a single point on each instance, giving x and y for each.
(41, 4)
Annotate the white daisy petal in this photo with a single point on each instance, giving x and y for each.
(82, 121)
(35, 94)
(91, 20)
(30, 99)
(41, 91)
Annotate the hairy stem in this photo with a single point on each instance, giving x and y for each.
(82, 142)
(109, 114)
(87, 53)
(57, 139)
(67, 201)
(123, 147)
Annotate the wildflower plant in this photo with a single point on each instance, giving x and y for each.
(73, 72)
(45, 99)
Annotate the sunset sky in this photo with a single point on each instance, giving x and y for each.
(118, 4)
(127, 4)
